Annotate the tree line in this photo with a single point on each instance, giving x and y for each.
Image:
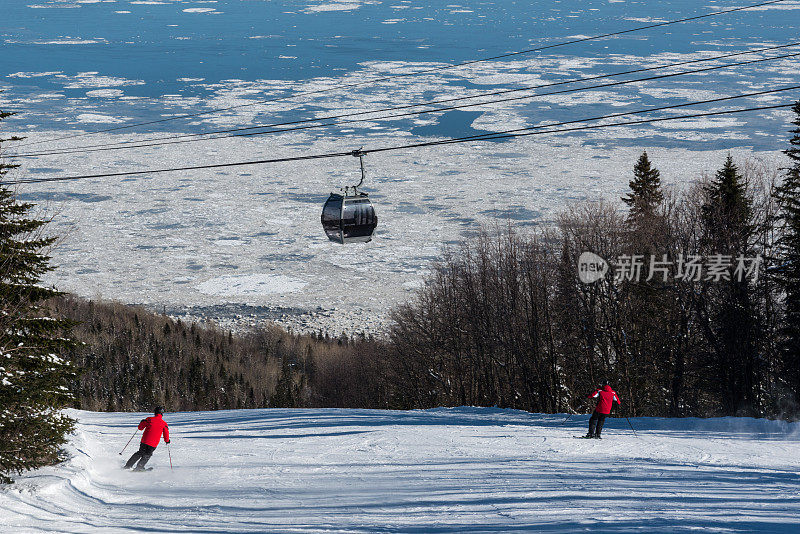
(698, 316)
(131, 359)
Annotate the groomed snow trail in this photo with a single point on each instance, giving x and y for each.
(437, 471)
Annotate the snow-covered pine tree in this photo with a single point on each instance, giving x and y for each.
(788, 273)
(33, 378)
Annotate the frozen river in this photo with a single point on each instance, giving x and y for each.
(247, 240)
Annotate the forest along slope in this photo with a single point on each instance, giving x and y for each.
(441, 470)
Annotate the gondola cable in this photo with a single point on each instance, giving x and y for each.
(507, 134)
(179, 140)
(425, 71)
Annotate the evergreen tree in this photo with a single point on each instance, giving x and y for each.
(788, 272)
(732, 323)
(285, 395)
(645, 303)
(646, 194)
(728, 209)
(33, 377)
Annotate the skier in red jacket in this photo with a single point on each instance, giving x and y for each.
(154, 427)
(606, 397)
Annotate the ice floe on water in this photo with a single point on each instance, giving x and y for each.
(336, 5)
(200, 10)
(208, 237)
(105, 93)
(50, 5)
(65, 41)
(95, 118)
(783, 6)
(251, 236)
(32, 74)
(95, 79)
(251, 284)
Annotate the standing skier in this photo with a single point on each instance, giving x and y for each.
(606, 397)
(154, 427)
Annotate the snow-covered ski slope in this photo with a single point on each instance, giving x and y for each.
(443, 470)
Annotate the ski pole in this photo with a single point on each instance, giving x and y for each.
(571, 414)
(129, 442)
(629, 424)
(169, 452)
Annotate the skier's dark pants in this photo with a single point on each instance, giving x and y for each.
(142, 455)
(596, 423)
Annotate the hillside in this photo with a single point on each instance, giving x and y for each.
(131, 359)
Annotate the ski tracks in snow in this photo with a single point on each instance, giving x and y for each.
(441, 471)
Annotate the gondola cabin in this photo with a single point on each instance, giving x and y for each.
(349, 218)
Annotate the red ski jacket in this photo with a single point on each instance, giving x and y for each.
(153, 428)
(606, 398)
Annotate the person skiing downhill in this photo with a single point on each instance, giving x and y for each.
(606, 397)
(154, 427)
